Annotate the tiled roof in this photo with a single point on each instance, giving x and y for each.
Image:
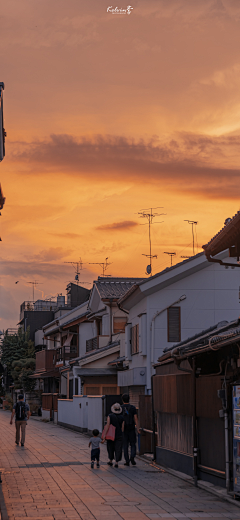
(225, 238)
(211, 339)
(115, 287)
(135, 285)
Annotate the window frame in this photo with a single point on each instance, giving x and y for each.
(135, 339)
(169, 332)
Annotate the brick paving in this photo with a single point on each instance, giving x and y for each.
(51, 479)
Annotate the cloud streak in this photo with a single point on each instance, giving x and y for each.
(188, 163)
(118, 226)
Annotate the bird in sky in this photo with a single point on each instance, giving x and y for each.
(17, 281)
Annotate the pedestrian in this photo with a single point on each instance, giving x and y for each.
(95, 450)
(114, 447)
(21, 411)
(129, 433)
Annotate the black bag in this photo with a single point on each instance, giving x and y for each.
(20, 411)
(128, 413)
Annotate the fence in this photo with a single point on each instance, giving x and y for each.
(49, 405)
(82, 413)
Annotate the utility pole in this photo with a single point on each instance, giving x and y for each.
(150, 215)
(103, 265)
(192, 222)
(171, 255)
(34, 284)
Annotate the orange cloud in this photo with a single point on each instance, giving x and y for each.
(118, 226)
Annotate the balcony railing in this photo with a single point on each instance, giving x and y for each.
(45, 360)
(96, 343)
(38, 305)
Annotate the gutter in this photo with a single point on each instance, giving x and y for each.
(218, 261)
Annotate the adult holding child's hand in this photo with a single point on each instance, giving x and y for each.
(113, 433)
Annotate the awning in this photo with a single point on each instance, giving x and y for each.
(95, 371)
(43, 375)
(117, 361)
(67, 342)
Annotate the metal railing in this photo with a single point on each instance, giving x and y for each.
(92, 344)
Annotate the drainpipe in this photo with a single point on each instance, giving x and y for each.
(195, 450)
(110, 317)
(227, 450)
(153, 423)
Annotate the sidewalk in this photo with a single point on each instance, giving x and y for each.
(51, 479)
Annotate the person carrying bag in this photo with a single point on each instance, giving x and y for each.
(113, 433)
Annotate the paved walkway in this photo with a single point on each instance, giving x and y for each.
(51, 479)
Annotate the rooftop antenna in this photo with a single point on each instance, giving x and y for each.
(103, 265)
(192, 222)
(34, 284)
(150, 215)
(170, 254)
(78, 266)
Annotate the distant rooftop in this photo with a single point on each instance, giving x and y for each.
(115, 287)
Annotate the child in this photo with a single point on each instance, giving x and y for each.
(95, 451)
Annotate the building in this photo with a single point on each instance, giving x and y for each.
(192, 402)
(94, 372)
(171, 306)
(36, 314)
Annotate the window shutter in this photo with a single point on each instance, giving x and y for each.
(174, 324)
(135, 339)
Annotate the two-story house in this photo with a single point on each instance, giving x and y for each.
(101, 351)
(171, 306)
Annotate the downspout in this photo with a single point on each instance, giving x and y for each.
(195, 449)
(218, 261)
(227, 450)
(225, 407)
(153, 423)
(111, 319)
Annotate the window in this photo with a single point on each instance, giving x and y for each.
(135, 339)
(174, 324)
(119, 324)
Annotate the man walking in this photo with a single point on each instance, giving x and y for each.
(129, 436)
(21, 411)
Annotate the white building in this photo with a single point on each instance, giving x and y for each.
(171, 306)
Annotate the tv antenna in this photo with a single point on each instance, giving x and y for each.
(78, 266)
(103, 265)
(34, 285)
(150, 215)
(193, 223)
(171, 255)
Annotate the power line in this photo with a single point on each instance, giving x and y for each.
(150, 215)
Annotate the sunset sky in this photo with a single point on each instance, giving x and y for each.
(105, 115)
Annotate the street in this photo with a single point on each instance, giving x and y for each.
(51, 478)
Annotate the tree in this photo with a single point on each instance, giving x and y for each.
(21, 370)
(18, 355)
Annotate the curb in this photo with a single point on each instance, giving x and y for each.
(3, 509)
(206, 486)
